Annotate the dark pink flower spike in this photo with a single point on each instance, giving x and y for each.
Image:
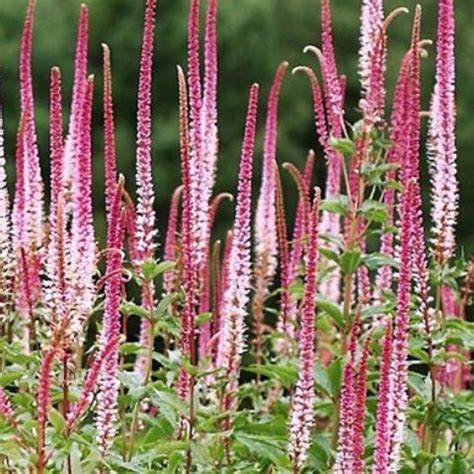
(384, 405)
(327, 125)
(238, 279)
(266, 247)
(83, 247)
(107, 408)
(109, 132)
(205, 296)
(360, 407)
(266, 239)
(285, 325)
(44, 401)
(186, 340)
(299, 229)
(85, 397)
(78, 95)
(145, 213)
(395, 157)
(302, 417)
(55, 285)
(332, 85)
(442, 140)
(399, 362)
(345, 451)
(32, 173)
(170, 253)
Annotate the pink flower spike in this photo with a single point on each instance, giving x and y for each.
(33, 181)
(55, 285)
(384, 406)
(170, 253)
(145, 213)
(107, 410)
(6, 408)
(85, 397)
(345, 451)
(83, 248)
(44, 400)
(5, 230)
(399, 361)
(110, 157)
(78, 95)
(442, 141)
(266, 248)
(302, 417)
(360, 407)
(238, 279)
(372, 58)
(186, 340)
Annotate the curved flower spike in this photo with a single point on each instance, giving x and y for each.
(302, 417)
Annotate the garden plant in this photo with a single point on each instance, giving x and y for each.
(330, 336)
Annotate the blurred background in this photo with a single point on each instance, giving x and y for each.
(254, 37)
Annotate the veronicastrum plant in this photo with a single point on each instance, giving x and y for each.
(336, 341)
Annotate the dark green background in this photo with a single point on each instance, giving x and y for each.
(254, 36)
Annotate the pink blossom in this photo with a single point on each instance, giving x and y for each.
(236, 295)
(6, 408)
(266, 248)
(302, 417)
(372, 58)
(441, 144)
(78, 97)
(107, 409)
(145, 213)
(384, 406)
(170, 253)
(83, 246)
(110, 158)
(5, 230)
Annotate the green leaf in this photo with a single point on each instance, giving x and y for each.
(336, 204)
(286, 374)
(57, 420)
(332, 310)
(350, 261)
(152, 269)
(345, 146)
(374, 211)
(373, 261)
(203, 318)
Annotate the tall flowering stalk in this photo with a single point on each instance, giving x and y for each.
(399, 362)
(5, 230)
(236, 295)
(441, 144)
(110, 152)
(372, 58)
(78, 97)
(107, 410)
(83, 246)
(266, 247)
(384, 405)
(145, 213)
(302, 417)
(57, 259)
